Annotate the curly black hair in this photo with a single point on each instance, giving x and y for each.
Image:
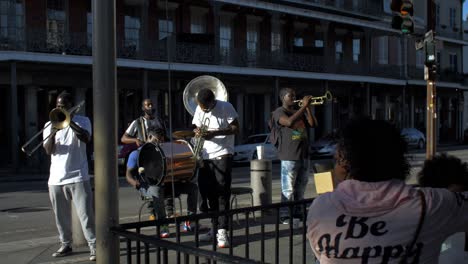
(156, 131)
(373, 150)
(442, 171)
(205, 96)
(284, 91)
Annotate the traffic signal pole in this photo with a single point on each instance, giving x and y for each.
(431, 99)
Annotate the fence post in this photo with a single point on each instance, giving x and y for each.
(260, 181)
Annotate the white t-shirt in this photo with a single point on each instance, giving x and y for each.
(69, 163)
(219, 117)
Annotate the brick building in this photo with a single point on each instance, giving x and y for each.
(253, 47)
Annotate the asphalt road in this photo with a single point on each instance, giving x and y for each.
(27, 223)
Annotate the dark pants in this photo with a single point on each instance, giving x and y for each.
(214, 181)
(188, 188)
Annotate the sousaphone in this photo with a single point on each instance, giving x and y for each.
(195, 85)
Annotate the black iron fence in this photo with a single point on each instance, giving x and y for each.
(264, 240)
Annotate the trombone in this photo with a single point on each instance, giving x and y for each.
(59, 119)
(319, 100)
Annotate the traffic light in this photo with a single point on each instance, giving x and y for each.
(403, 20)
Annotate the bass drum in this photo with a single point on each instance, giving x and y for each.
(167, 162)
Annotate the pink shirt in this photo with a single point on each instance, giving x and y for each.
(373, 222)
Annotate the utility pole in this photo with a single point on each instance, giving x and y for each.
(430, 71)
(105, 130)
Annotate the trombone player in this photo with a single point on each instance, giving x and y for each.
(69, 179)
(216, 123)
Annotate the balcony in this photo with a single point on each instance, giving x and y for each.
(360, 7)
(448, 32)
(181, 51)
(444, 74)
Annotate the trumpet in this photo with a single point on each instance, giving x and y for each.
(59, 119)
(317, 100)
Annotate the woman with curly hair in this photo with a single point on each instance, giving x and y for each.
(373, 216)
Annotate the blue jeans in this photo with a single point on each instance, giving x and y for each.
(157, 194)
(294, 178)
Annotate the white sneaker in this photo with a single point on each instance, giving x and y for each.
(207, 237)
(223, 238)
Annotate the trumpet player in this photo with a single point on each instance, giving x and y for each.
(292, 126)
(216, 123)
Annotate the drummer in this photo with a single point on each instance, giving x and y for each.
(157, 135)
(147, 191)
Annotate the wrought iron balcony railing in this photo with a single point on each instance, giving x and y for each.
(365, 7)
(184, 52)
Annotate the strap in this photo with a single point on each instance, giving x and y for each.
(143, 129)
(418, 229)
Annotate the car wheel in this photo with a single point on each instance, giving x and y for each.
(420, 144)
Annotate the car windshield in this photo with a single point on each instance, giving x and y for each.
(255, 139)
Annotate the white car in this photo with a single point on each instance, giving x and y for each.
(248, 151)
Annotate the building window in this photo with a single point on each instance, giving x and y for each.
(438, 58)
(452, 17)
(437, 15)
(419, 59)
(382, 55)
(318, 43)
(356, 50)
(275, 41)
(225, 36)
(56, 21)
(166, 28)
(12, 20)
(89, 29)
(252, 38)
(132, 32)
(339, 3)
(299, 41)
(453, 63)
(198, 21)
(338, 51)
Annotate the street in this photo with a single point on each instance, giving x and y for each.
(28, 233)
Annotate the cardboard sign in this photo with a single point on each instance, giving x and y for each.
(323, 182)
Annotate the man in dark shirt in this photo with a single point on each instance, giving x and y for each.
(293, 146)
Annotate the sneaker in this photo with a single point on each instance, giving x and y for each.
(152, 217)
(64, 250)
(207, 237)
(164, 232)
(187, 227)
(92, 254)
(223, 238)
(284, 220)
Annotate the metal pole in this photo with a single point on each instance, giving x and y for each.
(105, 130)
(14, 119)
(431, 100)
(431, 118)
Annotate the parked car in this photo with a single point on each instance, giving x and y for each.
(325, 147)
(248, 151)
(123, 151)
(414, 137)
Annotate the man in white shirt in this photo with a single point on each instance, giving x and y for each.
(69, 179)
(216, 123)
